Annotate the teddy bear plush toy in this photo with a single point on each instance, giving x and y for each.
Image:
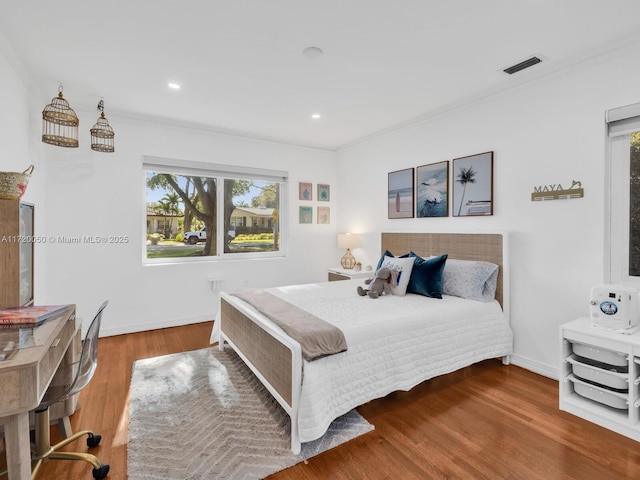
(378, 285)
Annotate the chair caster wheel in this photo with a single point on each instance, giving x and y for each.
(101, 472)
(94, 441)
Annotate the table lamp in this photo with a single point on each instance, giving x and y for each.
(348, 241)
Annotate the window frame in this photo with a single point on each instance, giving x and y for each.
(221, 173)
(621, 122)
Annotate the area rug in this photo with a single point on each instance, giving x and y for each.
(204, 415)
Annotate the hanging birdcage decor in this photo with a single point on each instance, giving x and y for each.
(60, 123)
(102, 134)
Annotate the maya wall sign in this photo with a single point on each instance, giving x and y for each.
(555, 191)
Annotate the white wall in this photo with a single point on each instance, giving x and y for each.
(14, 119)
(548, 132)
(91, 193)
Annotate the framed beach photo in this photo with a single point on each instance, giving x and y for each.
(306, 191)
(400, 194)
(473, 185)
(306, 215)
(324, 192)
(432, 190)
(324, 216)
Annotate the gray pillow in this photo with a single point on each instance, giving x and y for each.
(474, 280)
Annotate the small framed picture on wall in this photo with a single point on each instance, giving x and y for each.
(306, 215)
(324, 192)
(323, 216)
(306, 191)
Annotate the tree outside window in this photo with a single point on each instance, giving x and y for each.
(249, 223)
(634, 205)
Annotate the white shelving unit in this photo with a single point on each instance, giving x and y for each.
(600, 376)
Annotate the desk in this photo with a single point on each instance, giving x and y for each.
(25, 377)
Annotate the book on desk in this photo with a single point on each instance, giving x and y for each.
(30, 316)
(17, 326)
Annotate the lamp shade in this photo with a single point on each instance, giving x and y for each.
(349, 240)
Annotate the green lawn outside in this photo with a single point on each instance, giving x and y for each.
(256, 246)
(174, 253)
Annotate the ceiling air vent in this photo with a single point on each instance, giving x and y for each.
(530, 62)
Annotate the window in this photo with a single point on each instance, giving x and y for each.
(201, 211)
(259, 202)
(623, 215)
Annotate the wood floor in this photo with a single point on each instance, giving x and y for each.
(488, 421)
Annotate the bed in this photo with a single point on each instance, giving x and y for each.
(394, 342)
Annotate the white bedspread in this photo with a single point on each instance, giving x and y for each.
(394, 343)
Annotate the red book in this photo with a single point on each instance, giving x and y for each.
(32, 315)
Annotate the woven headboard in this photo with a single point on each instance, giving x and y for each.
(463, 246)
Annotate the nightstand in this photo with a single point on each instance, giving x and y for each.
(339, 273)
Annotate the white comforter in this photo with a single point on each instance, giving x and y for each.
(394, 343)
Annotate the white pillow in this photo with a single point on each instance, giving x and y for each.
(402, 267)
(474, 280)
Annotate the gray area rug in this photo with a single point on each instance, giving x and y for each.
(204, 415)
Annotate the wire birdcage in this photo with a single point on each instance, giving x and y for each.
(102, 134)
(60, 123)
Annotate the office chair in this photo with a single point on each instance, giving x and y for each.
(86, 367)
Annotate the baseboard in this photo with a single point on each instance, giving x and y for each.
(536, 367)
(106, 331)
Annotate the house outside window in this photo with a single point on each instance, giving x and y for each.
(197, 211)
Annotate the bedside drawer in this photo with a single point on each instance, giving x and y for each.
(333, 277)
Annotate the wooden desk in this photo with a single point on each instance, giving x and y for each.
(24, 378)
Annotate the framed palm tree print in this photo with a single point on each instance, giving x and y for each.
(473, 185)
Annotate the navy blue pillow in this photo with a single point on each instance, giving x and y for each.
(426, 276)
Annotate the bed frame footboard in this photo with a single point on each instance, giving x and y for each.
(273, 357)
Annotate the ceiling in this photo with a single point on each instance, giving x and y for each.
(241, 68)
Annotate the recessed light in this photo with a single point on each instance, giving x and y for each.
(175, 86)
(315, 116)
(312, 52)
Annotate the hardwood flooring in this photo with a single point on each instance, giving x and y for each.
(487, 421)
